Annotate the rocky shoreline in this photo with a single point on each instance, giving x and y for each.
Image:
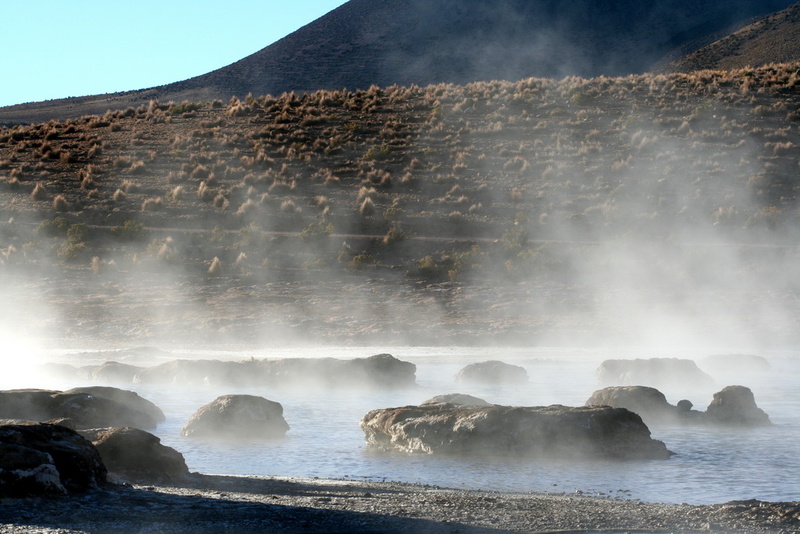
(218, 503)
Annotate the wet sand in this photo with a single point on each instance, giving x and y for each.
(216, 503)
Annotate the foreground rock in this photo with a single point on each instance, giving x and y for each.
(733, 406)
(382, 371)
(81, 407)
(551, 431)
(736, 406)
(237, 416)
(654, 372)
(492, 372)
(137, 456)
(41, 459)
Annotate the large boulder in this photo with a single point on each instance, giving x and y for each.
(237, 416)
(492, 372)
(130, 399)
(550, 431)
(42, 459)
(458, 399)
(82, 409)
(137, 456)
(654, 372)
(736, 406)
(648, 402)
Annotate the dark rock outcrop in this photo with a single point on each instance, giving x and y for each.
(551, 431)
(82, 409)
(237, 416)
(41, 459)
(137, 456)
(736, 406)
(131, 399)
(492, 372)
(654, 372)
(457, 399)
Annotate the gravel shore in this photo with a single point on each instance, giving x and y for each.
(214, 503)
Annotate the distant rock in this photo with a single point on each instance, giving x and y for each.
(648, 402)
(382, 371)
(137, 456)
(194, 373)
(237, 416)
(82, 409)
(41, 459)
(492, 372)
(735, 363)
(113, 373)
(551, 431)
(654, 372)
(736, 406)
(458, 399)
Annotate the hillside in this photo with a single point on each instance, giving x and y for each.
(405, 42)
(638, 209)
(775, 38)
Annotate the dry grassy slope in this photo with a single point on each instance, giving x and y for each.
(385, 42)
(485, 185)
(775, 38)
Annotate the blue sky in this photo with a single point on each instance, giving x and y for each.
(55, 48)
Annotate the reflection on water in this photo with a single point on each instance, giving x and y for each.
(711, 465)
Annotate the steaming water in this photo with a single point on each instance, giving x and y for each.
(711, 465)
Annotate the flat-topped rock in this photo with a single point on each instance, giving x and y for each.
(549, 431)
(653, 372)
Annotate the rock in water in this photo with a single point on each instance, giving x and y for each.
(458, 399)
(81, 407)
(237, 416)
(41, 459)
(654, 372)
(648, 402)
(492, 372)
(736, 406)
(550, 431)
(136, 455)
(131, 399)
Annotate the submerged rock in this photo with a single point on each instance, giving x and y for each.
(736, 406)
(458, 399)
(492, 372)
(42, 459)
(550, 431)
(237, 416)
(654, 372)
(137, 456)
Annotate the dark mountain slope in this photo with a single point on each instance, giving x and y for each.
(385, 42)
(775, 38)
